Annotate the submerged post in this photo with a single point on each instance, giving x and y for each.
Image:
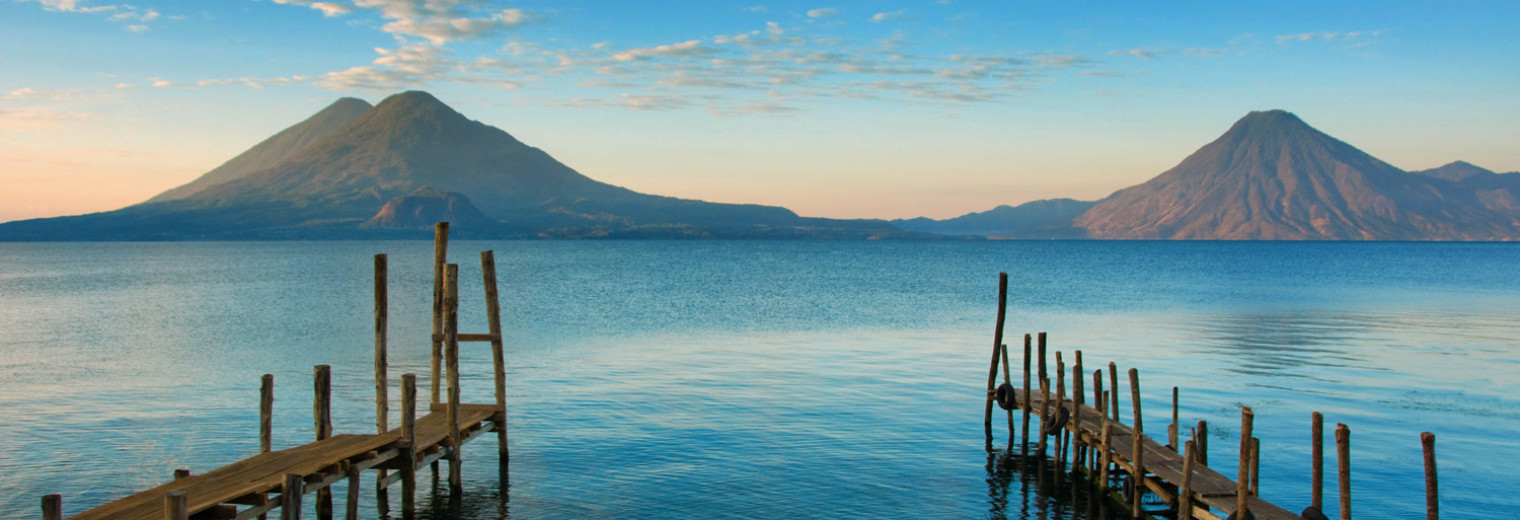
(409, 438)
(1432, 495)
(451, 354)
(498, 357)
(266, 413)
(440, 258)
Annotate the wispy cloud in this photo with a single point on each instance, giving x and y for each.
(328, 9)
(1138, 53)
(120, 13)
(822, 12)
(686, 48)
(892, 15)
(1327, 36)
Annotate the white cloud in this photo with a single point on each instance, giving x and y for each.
(686, 48)
(137, 28)
(822, 13)
(329, 9)
(1328, 36)
(439, 31)
(893, 15)
(1138, 53)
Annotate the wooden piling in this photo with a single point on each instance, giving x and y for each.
(1040, 347)
(1171, 433)
(52, 507)
(1024, 403)
(290, 497)
(1113, 385)
(409, 437)
(498, 354)
(1185, 492)
(266, 413)
(1255, 466)
(322, 412)
(1044, 413)
(351, 507)
(1203, 443)
(451, 354)
(1343, 467)
(440, 259)
(1060, 439)
(1242, 492)
(1317, 461)
(181, 473)
(1139, 435)
(175, 506)
(1432, 496)
(1098, 400)
(1007, 380)
(382, 382)
(1103, 484)
(1076, 410)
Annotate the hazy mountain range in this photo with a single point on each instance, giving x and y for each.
(390, 170)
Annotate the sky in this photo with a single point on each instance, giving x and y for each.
(845, 109)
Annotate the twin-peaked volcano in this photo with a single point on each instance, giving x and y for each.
(1273, 177)
(328, 176)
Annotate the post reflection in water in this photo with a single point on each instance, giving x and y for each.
(1045, 492)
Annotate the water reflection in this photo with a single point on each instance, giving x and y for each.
(1045, 491)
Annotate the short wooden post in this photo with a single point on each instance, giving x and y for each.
(1139, 458)
(1203, 443)
(409, 437)
(1025, 397)
(1343, 460)
(290, 497)
(351, 509)
(1242, 491)
(1040, 346)
(52, 507)
(1060, 454)
(1007, 380)
(1185, 493)
(1432, 494)
(266, 413)
(322, 412)
(498, 356)
(175, 506)
(1171, 441)
(1317, 461)
(451, 355)
(1107, 456)
(181, 473)
(440, 259)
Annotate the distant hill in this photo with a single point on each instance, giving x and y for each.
(355, 171)
(1273, 177)
(1051, 218)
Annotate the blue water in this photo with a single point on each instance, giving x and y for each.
(764, 379)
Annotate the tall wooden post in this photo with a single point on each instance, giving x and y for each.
(1139, 459)
(322, 412)
(52, 507)
(1185, 493)
(451, 355)
(1172, 432)
(409, 438)
(1317, 461)
(1044, 414)
(498, 356)
(382, 380)
(266, 413)
(1060, 401)
(1242, 489)
(440, 259)
(1343, 460)
(1113, 392)
(997, 342)
(1432, 491)
(1098, 401)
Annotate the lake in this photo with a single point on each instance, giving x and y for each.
(764, 379)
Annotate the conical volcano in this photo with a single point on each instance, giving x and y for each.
(1274, 177)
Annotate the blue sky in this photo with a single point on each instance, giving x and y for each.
(839, 109)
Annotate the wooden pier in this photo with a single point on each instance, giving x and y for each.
(1124, 463)
(280, 479)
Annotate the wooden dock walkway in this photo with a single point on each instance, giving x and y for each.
(1122, 461)
(278, 479)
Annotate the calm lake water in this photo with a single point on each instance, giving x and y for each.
(764, 379)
